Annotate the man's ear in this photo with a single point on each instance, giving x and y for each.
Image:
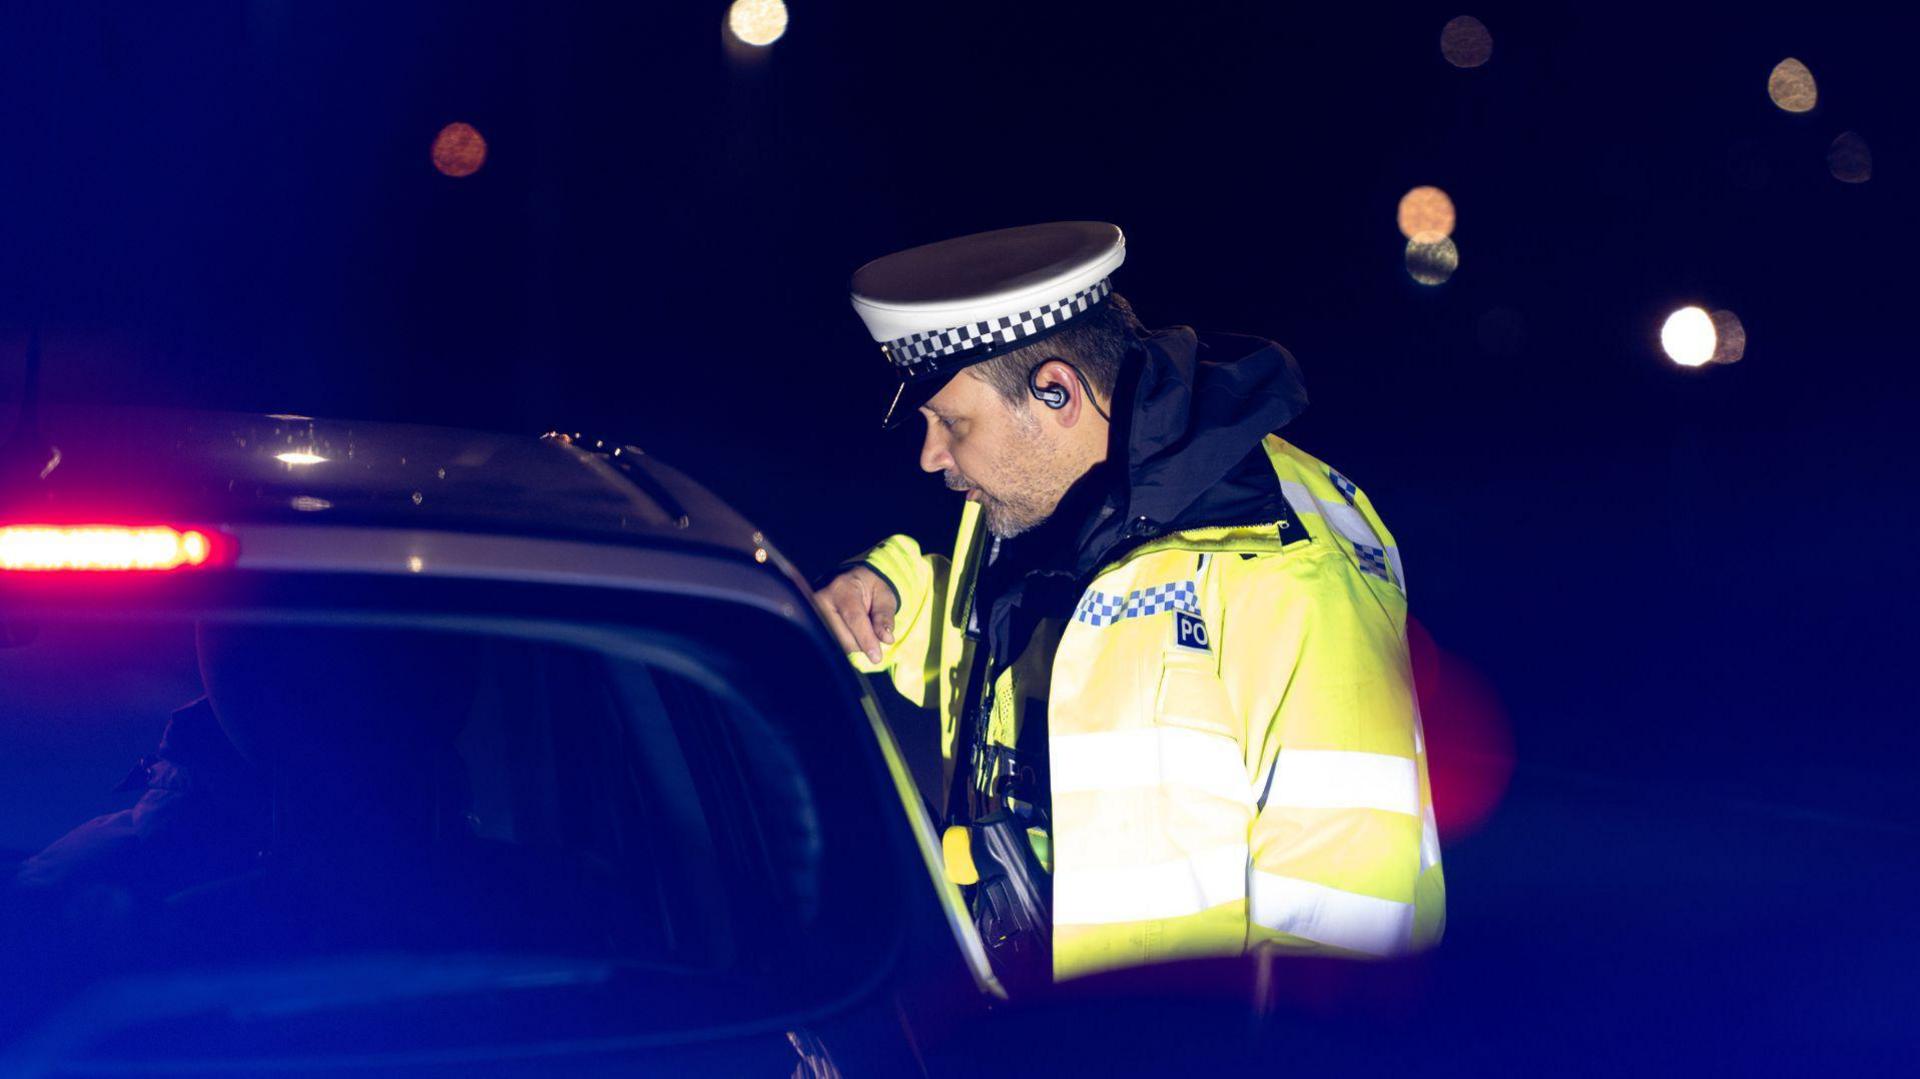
(1055, 378)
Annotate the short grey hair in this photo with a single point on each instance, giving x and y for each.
(1096, 342)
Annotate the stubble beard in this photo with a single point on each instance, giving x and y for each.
(1015, 511)
(1006, 522)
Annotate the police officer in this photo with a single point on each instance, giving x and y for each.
(1168, 648)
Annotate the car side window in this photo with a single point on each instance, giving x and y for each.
(566, 799)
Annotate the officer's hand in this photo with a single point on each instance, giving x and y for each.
(859, 607)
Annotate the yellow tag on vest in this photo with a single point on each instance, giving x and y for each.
(956, 846)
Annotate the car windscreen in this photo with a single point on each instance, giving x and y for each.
(325, 821)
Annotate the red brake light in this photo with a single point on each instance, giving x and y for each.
(45, 547)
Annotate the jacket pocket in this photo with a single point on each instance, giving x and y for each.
(1194, 698)
(1202, 751)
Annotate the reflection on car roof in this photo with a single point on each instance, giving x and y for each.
(221, 467)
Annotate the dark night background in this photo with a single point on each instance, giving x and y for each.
(1689, 587)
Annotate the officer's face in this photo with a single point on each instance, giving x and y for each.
(1002, 455)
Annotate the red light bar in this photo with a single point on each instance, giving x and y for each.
(90, 547)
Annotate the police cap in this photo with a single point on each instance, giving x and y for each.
(943, 306)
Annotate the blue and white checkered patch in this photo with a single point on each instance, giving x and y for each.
(1373, 560)
(1103, 609)
(1347, 489)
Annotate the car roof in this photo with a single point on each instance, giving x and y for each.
(112, 464)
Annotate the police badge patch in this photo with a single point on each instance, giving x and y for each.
(1190, 632)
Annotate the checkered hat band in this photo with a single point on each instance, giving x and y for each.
(1103, 609)
(917, 348)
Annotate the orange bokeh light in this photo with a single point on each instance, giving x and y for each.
(1791, 86)
(1426, 215)
(459, 150)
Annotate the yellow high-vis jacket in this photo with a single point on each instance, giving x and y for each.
(1234, 754)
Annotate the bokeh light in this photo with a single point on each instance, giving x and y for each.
(1849, 158)
(757, 22)
(1465, 42)
(1426, 215)
(459, 150)
(1432, 264)
(1729, 337)
(1791, 86)
(1689, 337)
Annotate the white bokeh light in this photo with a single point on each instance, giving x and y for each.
(1688, 337)
(757, 22)
(1434, 263)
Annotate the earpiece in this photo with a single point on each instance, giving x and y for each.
(1056, 396)
(1050, 396)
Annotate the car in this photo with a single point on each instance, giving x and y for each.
(493, 755)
